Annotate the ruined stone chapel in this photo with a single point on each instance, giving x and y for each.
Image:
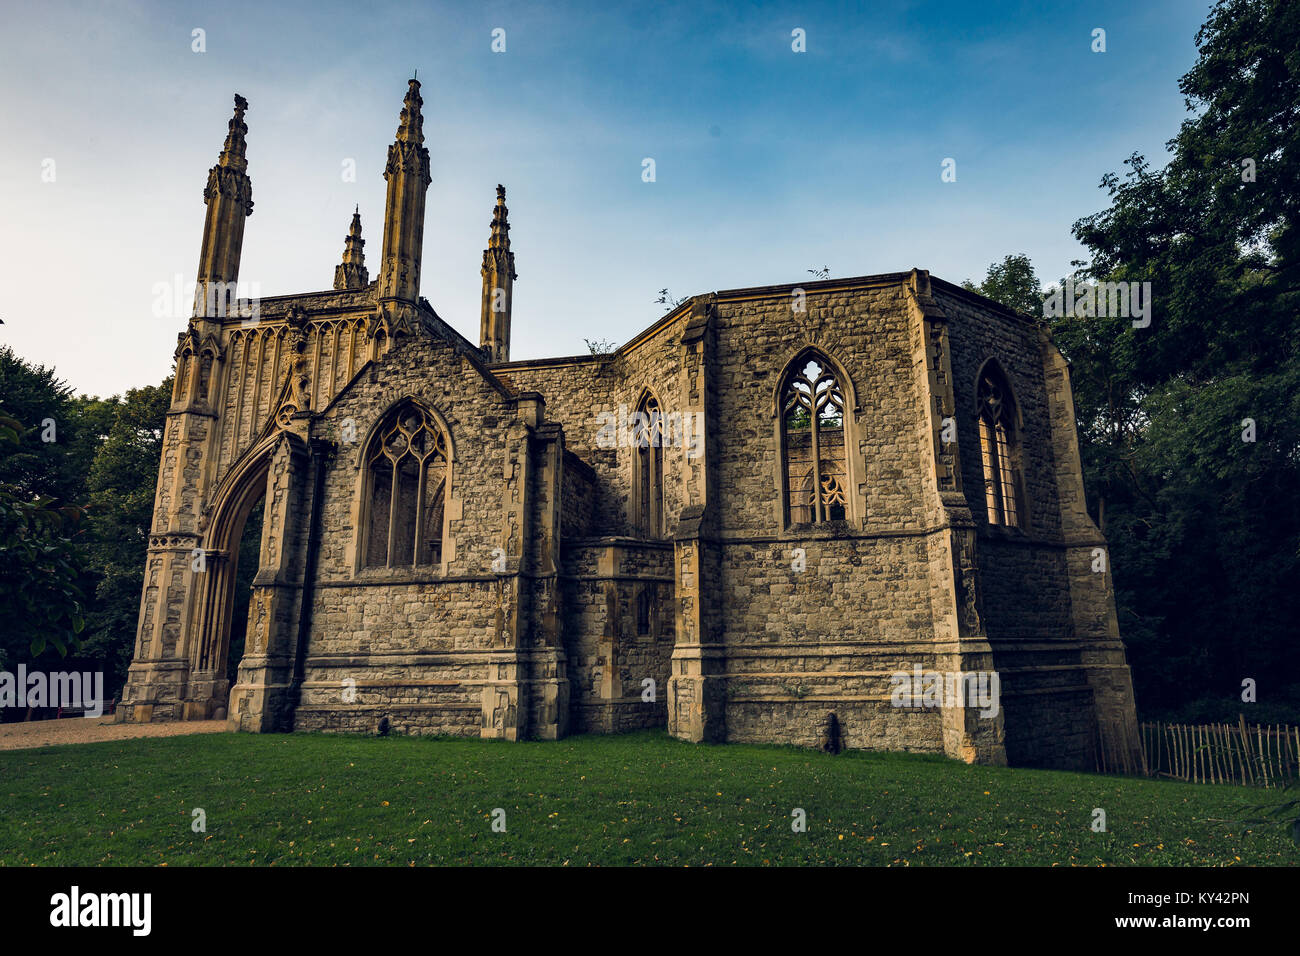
(739, 523)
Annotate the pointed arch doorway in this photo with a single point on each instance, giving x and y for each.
(246, 556)
(231, 547)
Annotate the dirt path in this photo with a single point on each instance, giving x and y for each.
(89, 730)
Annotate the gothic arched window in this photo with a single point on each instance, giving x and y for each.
(648, 474)
(813, 444)
(999, 449)
(406, 480)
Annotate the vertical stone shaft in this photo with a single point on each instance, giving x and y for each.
(498, 285)
(961, 644)
(1095, 623)
(229, 198)
(158, 681)
(697, 685)
(407, 174)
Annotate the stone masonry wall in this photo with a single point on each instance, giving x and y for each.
(609, 656)
(577, 392)
(416, 641)
(800, 645)
(1024, 575)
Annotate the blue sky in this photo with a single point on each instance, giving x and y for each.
(768, 162)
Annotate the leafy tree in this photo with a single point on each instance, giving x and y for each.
(121, 489)
(1190, 428)
(40, 566)
(53, 453)
(1013, 283)
(74, 518)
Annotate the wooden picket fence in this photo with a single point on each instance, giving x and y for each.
(1258, 755)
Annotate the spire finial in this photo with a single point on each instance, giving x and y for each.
(351, 272)
(235, 148)
(410, 129)
(500, 238)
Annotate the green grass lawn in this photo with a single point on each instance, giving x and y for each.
(637, 798)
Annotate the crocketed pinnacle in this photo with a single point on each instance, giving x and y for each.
(233, 152)
(410, 128)
(353, 245)
(351, 273)
(500, 238)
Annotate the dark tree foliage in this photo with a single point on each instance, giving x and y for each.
(41, 600)
(1203, 524)
(44, 454)
(57, 444)
(77, 478)
(120, 489)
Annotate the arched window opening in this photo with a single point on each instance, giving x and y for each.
(813, 445)
(998, 449)
(407, 464)
(648, 477)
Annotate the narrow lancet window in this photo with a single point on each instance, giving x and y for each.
(648, 476)
(999, 451)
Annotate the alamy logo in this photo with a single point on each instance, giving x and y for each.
(60, 689)
(75, 909)
(924, 689)
(213, 299)
(651, 430)
(1124, 300)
